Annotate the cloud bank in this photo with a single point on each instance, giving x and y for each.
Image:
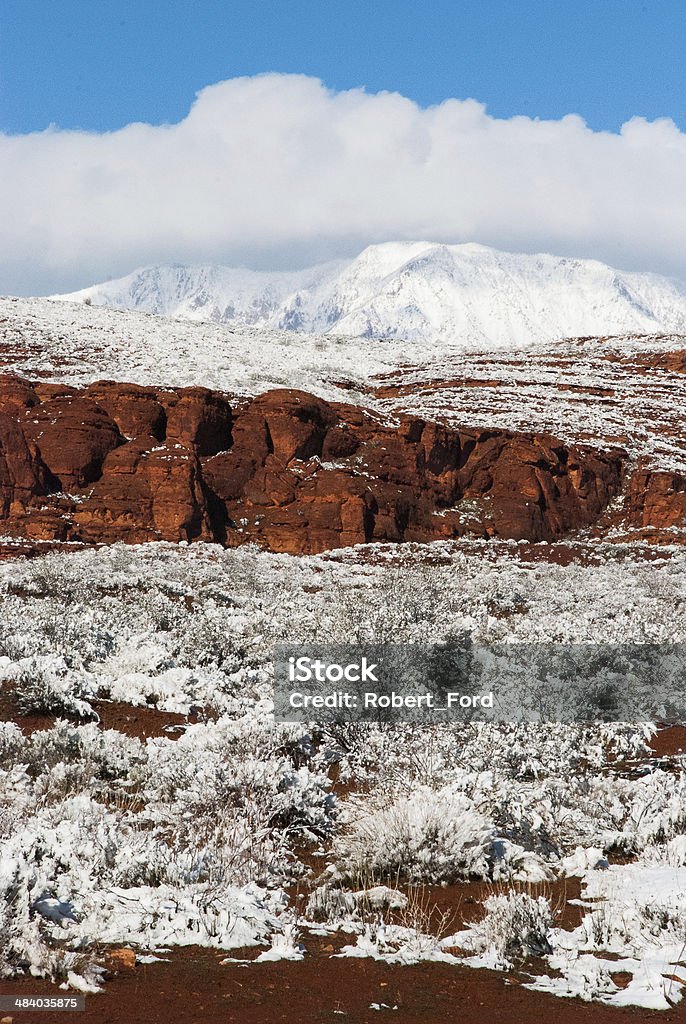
(277, 171)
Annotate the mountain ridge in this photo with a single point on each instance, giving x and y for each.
(468, 293)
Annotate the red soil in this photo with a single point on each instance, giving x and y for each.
(195, 988)
(139, 722)
(669, 741)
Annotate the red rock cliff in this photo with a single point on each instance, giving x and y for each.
(287, 470)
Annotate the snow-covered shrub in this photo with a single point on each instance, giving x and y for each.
(45, 685)
(70, 758)
(330, 903)
(190, 840)
(515, 926)
(427, 836)
(642, 813)
(416, 605)
(11, 742)
(537, 750)
(29, 920)
(398, 757)
(26, 947)
(639, 922)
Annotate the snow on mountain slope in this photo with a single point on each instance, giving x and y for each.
(466, 294)
(206, 293)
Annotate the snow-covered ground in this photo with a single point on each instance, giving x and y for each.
(172, 841)
(594, 389)
(600, 390)
(75, 343)
(469, 295)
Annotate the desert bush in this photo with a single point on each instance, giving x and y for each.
(46, 686)
(515, 926)
(428, 836)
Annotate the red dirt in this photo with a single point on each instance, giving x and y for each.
(138, 722)
(669, 741)
(461, 904)
(195, 988)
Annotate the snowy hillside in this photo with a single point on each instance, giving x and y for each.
(466, 294)
(76, 343)
(607, 391)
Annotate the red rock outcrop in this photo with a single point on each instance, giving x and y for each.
(74, 435)
(288, 470)
(135, 410)
(22, 472)
(307, 475)
(656, 499)
(146, 492)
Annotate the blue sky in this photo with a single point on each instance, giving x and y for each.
(99, 64)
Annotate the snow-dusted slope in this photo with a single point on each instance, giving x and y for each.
(607, 391)
(466, 294)
(76, 343)
(207, 293)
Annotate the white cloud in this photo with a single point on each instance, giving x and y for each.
(277, 170)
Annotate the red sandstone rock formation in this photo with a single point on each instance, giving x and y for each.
(656, 499)
(288, 470)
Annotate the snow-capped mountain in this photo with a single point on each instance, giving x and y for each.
(470, 294)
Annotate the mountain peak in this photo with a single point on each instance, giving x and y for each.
(467, 293)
